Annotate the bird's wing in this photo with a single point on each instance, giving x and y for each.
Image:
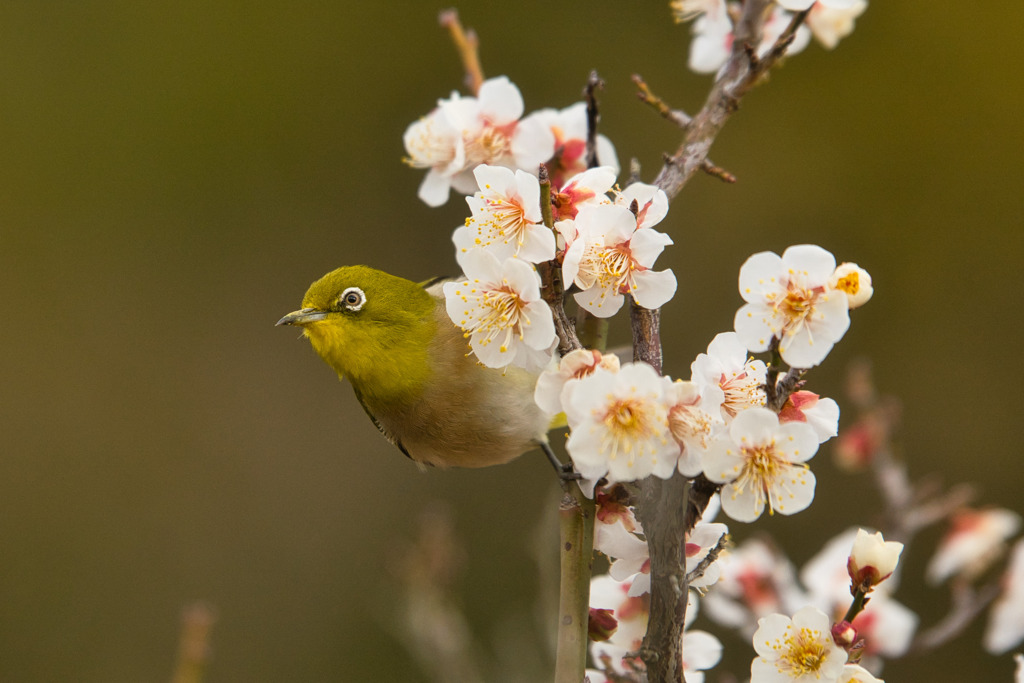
(380, 427)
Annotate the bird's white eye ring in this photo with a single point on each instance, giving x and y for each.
(352, 298)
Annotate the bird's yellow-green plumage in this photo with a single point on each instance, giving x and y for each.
(411, 370)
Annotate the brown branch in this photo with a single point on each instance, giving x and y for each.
(681, 119)
(552, 288)
(662, 513)
(742, 71)
(467, 44)
(646, 335)
(594, 83)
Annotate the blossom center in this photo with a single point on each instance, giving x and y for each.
(490, 144)
(741, 392)
(763, 465)
(805, 653)
(690, 422)
(628, 422)
(502, 316)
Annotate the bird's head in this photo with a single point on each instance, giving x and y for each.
(371, 327)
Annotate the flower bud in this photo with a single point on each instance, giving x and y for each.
(601, 625)
(853, 281)
(872, 560)
(844, 635)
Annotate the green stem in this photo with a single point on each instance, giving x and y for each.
(576, 523)
(860, 599)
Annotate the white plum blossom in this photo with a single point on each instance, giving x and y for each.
(435, 143)
(788, 298)
(610, 257)
(872, 560)
(800, 649)
(568, 128)
(651, 202)
(631, 560)
(589, 187)
(855, 673)
(506, 217)
(831, 24)
(692, 422)
(701, 651)
(463, 132)
(713, 37)
(757, 580)
(854, 282)
(822, 414)
(631, 613)
(761, 462)
(1005, 629)
(619, 425)
(976, 538)
(498, 306)
(575, 365)
(729, 370)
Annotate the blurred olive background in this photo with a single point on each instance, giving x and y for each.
(174, 175)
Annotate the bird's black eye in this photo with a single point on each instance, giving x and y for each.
(352, 298)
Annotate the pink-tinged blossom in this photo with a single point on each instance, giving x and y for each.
(506, 217)
(692, 422)
(651, 203)
(757, 580)
(822, 414)
(631, 613)
(568, 128)
(975, 539)
(589, 187)
(1005, 629)
(797, 650)
(609, 257)
(574, 366)
(728, 375)
(788, 299)
(761, 463)
(713, 37)
(619, 425)
(498, 305)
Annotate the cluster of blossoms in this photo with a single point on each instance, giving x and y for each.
(605, 243)
(489, 128)
(828, 21)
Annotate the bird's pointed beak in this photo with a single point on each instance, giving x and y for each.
(302, 317)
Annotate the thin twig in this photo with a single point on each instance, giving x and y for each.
(681, 119)
(467, 44)
(708, 560)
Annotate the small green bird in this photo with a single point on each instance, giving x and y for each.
(411, 370)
